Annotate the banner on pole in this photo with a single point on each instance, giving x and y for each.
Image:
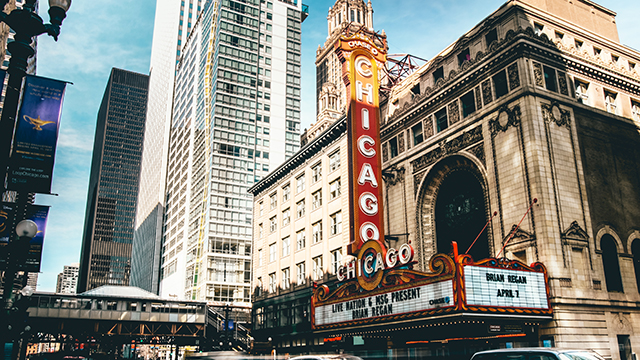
(38, 214)
(6, 218)
(34, 143)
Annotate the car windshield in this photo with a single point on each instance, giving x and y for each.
(579, 355)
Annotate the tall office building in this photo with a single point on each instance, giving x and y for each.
(68, 279)
(174, 22)
(105, 258)
(236, 116)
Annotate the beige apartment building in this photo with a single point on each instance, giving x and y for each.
(537, 107)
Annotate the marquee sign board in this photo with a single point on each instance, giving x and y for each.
(498, 286)
(398, 302)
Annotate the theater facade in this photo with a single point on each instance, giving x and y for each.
(508, 215)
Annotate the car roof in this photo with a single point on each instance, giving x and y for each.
(535, 349)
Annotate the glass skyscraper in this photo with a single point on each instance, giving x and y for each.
(174, 22)
(105, 258)
(236, 116)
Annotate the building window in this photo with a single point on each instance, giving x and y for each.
(259, 257)
(491, 36)
(259, 287)
(286, 193)
(635, 110)
(550, 79)
(286, 278)
(286, 217)
(334, 189)
(300, 209)
(316, 173)
(286, 246)
(272, 282)
(300, 275)
(464, 56)
(261, 207)
(336, 223)
(441, 119)
(393, 147)
(317, 232)
(610, 263)
(610, 101)
(334, 161)
(596, 51)
(273, 200)
(300, 240)
(438, 74)
(578, 44)
(418, 136)
(635, 250)
(336, 260)
(272, 252)
(538, 28)
(468, 104)
(300, 183)
(500, 84)
(317, 268)
(316, 200)
(273, 225)
(624, 347)
(582, 94)
(260, 231)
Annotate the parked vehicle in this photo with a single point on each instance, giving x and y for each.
(536, 354)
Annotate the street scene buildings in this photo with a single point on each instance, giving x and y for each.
(482, 198)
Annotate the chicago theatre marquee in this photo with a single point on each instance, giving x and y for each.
(445, 249)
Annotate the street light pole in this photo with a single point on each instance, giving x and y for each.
(26, 24)
(18, 250)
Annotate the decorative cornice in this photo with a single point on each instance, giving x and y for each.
(447, 147)
(334, 132)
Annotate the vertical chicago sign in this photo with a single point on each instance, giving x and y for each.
(361, 59)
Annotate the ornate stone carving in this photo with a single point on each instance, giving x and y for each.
(537, 73)
(478, 98)
(461, 142)
(487, 96)
(512, 119)
(553, 113)
(514, 76)
(385, 152)
(519, 235)
(401, 143)
(393, 175)
(574, 232)
(478, 151)
(454, 113)
(428, 127)
(562, 81)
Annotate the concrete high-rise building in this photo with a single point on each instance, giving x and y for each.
(174, 22)
(68, 279)
(236, 116)
(105, 257)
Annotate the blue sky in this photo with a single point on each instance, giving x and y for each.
(99, 35)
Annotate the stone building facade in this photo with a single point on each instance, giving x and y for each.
(534, 116)
(539, 101)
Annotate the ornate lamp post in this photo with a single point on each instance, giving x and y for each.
(26, 24)
(11, 314)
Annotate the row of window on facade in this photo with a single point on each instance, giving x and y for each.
(611, 264)
(300, 181)
(317, 273)
(579, 45)
(497, 86)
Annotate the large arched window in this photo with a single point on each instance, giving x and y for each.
(460, 214)
(610, 263)
(635, 250)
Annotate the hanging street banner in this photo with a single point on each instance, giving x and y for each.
(38, 214)
(361, 61)
(34, 143)
(6, 217)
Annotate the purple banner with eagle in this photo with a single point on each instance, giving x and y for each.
(36, 136)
